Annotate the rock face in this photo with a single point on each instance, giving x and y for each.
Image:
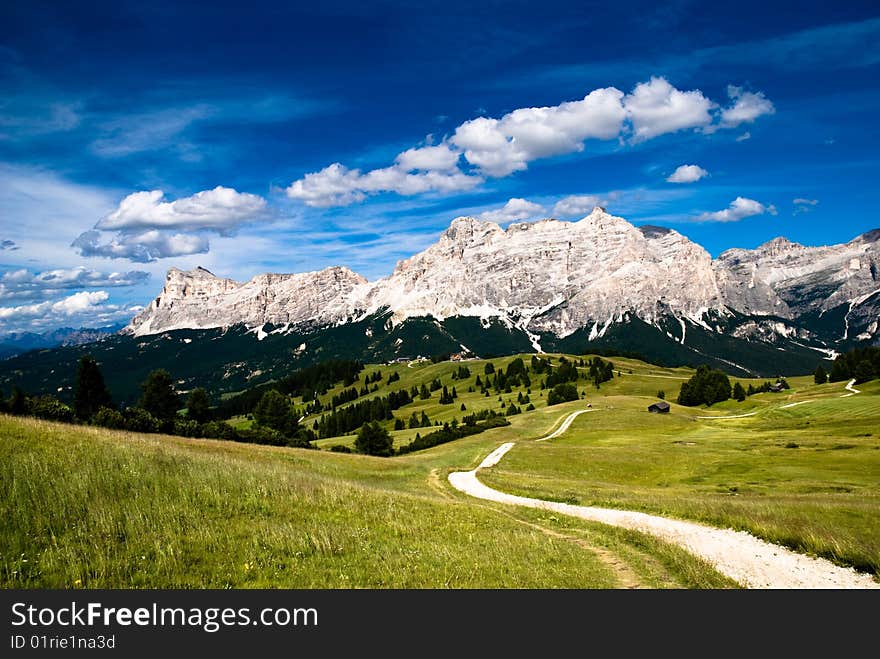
(787, 279)
(198, 300)
(550, 277)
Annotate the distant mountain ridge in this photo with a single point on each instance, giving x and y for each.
(596, 284)
(18, 342)
(547, 277)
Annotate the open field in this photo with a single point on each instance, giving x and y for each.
(95, 508)
(805, 476)
(92, 508)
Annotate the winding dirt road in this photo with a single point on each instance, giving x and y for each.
(751, 562)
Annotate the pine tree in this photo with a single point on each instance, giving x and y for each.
(373, 439)
(738, 392)
(839, 371)
(159, 397)
(198, 406)
(275, 411)
(90, 392)
(819, 375)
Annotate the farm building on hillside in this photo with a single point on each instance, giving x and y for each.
(660, 407)
(776, 388)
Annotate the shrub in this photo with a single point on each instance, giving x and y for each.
(219, 430)
(107, 417)
(139, 420)
(187, 428)
(51, 409)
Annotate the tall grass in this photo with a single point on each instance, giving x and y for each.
(91, 508)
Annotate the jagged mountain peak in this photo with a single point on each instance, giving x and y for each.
(544, 277)
(778, 245)
(198, 271)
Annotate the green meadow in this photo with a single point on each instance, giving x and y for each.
(93, 508)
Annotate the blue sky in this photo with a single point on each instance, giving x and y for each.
(290, 137)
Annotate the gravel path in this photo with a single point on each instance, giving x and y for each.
(751, 562)
(565, 424)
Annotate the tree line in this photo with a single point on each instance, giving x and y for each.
(159, 410)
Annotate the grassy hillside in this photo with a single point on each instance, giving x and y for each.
(805, 475)
(86, 507)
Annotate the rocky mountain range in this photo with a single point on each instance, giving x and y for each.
(18, 342)
(598, 284)
(555, 278)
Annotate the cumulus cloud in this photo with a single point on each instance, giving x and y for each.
(148, 228)
(577, 205)
(336, 185)
(74, 304)
(514, 210)
(26, 284)
(143, 247)
(428, 158)
(687, 174)
(745, 136)
(497, 147)
(656, 108)
(803, 205)
(747, 106)
(8, 245)
(221, 210)
(83, 308)
(739, 208)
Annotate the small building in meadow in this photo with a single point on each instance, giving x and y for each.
(777, 387)
(660, 407)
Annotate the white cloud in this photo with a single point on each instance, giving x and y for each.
(144, 224)
(80, 309)
(149, 131)
(656, 108)
(687, 174)
(747, 107)
(24, 284)
(42, 213)
(514, 210)
(76, 303)
(336, 185)
(803, 205)
(221, 210)
(428, 158)
(745, 136)
(577, 205)
(739, 208)
(142, 247)
(499, 147)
